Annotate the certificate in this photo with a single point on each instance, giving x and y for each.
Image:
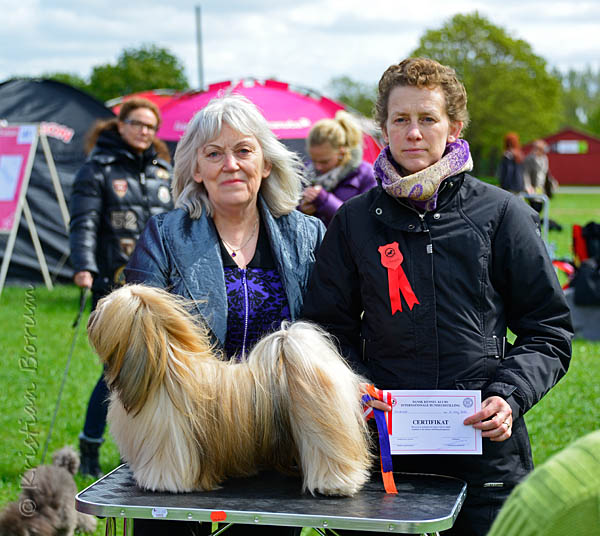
(431, 422)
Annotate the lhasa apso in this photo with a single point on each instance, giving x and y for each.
(185, 419)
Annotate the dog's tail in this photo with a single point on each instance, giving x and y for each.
(311, 384)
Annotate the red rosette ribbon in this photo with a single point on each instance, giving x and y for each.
(391, 259)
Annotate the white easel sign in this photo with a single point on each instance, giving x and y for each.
(18, 145)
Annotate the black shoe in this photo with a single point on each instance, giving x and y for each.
(554, 226)
(90, 463)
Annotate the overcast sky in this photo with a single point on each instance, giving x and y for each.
(304, 42)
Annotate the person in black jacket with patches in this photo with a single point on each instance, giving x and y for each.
(125, 180)
(420, 278)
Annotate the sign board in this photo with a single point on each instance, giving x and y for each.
(18, 145)
(17, 151)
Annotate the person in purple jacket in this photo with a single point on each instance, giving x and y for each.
(338, 171)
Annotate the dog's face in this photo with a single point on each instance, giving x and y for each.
(104, 317)
(126, 336)
(133, 330)
(51, 489)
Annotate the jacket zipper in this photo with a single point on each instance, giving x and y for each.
(145, 192)
(246, 311)
(421, 215)
(424, 227)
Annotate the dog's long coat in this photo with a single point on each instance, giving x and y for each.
(185, 419)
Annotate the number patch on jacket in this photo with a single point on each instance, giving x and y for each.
(123, 219)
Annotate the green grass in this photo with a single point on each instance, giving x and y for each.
(568, 210)
(36, 338)
(570, 410)
(35, 342)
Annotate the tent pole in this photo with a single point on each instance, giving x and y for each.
(55, 180)
(37, 245)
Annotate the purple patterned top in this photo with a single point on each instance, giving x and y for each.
(256, 299)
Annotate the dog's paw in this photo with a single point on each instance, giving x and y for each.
(339, 491)
(86, 523)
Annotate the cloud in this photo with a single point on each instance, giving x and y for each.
(306, 42)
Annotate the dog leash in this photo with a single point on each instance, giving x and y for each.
(383, 425)
(83, 295)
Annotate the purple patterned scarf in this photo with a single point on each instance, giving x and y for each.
(422, 187)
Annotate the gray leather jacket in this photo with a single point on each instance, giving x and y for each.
(183, 255)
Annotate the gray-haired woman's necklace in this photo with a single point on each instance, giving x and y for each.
(234, 251)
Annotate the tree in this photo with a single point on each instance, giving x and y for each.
(508, 86)
(68, 78)
(148, 67)
(594, 122)
(357, 95)
(581, 95)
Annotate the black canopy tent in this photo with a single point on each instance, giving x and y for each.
(65, 115)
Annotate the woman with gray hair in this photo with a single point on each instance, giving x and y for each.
(234, 244)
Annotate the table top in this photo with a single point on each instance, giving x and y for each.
(424, 503)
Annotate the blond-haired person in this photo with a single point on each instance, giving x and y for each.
(338, 172)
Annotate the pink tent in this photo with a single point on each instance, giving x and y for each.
(290, 112)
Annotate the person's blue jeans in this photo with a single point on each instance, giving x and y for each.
(97, 408)
(95, 417)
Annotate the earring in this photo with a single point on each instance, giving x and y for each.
(451, 139)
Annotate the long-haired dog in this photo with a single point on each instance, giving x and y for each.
(46, 505)
(184, 418)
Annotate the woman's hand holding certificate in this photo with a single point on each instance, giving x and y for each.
(494, 420)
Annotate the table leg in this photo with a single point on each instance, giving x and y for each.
(220, 531)
(128, 526)
(111, 527)
(325, 532)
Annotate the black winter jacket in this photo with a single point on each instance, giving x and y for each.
(114, 194)
(511, 174)
(477, 266)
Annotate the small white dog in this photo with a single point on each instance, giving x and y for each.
(186, 419)
(46, 505)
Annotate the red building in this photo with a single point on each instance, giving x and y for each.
(574, 157)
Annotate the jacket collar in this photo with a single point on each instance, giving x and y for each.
(193, 247)
(111, 147)
(288, 248)
(385, 207)
(195, 252)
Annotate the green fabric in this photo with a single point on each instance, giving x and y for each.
(561, 497)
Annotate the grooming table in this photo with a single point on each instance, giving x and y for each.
(424, 504)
